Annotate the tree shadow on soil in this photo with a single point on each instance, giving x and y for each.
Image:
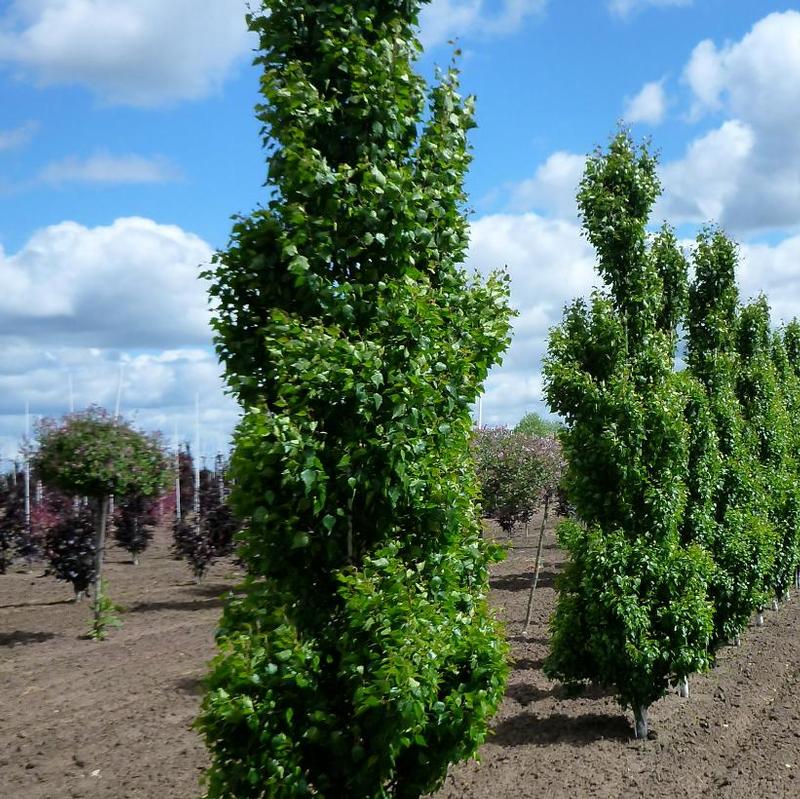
(527, 729)
(525, 694)
(190, 684)
(529, 639)
(214, 591)
(522, 582)
(23, 638)
(19, 605)
(176, 604)
(527, 664)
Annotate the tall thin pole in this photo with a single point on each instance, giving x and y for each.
(27, 469)
(119, 390)
(177, 476)
(197, 459)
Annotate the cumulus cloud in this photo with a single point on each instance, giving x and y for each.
(649, 105)
(700, 186)
(104, 308)
(552, 188)
(445, 19)
(772, 269)
(107, 168)
(549, 263)
(756, 83)
(17, 137)
(133, 283)
(757, 78)
(140, 52)
(625, 8)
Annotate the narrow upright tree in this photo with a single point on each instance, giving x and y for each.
(738, 535)
(362, 658)
(96, 455)
(632, 612)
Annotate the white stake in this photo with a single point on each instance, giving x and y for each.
(119, 390)
(197, 459)
(27, 469)
(177, 476)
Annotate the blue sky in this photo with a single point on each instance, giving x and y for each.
(127, 140)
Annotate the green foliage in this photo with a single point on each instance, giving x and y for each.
(94, 454)
(515, 472)
(106, 617)
(534, 425)
(685, 485)
(633, 612)
(361, 658)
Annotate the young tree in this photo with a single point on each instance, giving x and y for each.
(362, 658)
(738, 534)
(96, 455)
(70, 548)
(200, 538)
(17, 539)
(532, 424)
(632, 612)
(510, 475)
(134, 522)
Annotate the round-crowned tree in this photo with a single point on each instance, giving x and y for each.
(97, 455)
(361, 657)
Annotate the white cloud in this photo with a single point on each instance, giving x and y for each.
(79, 303)
(772, 269)
(445, 19)
(755, 82)
(648, 106)
(624, 8)
(549, 263)
(17, 137)
(107, 168)
(137, 52)
(701, 185)
(757, 79)
(129, 284)
(553, 187)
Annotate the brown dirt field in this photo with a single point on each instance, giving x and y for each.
(111, 720)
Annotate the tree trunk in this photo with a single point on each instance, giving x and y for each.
(640, 722)
(100, 546)
(683, 688)
(775, 603)
(760, 617)
(537, 565)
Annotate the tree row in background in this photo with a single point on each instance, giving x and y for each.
(684, 482)
(58, 527)
(204, 526)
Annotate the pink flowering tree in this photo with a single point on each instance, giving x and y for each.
(517, 473)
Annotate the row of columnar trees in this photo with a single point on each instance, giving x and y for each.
(685, 482)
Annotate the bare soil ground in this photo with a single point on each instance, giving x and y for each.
(111, 720)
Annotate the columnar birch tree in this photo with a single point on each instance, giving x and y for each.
(632, 611)
(361, 659)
